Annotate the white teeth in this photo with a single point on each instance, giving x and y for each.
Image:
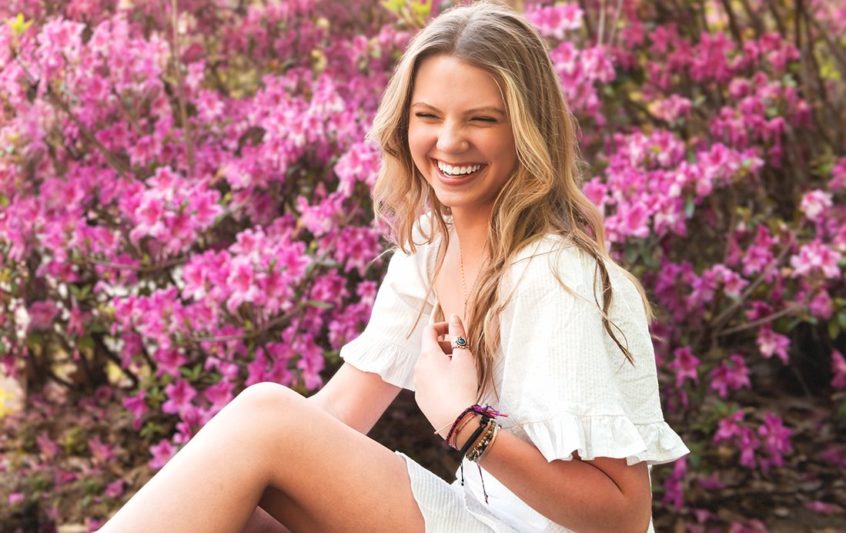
(457, 171)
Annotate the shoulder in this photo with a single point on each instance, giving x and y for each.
(419, 260)
(554, 263)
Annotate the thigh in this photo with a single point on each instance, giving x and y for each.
(326, 476)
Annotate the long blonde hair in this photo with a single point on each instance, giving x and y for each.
(543, 195)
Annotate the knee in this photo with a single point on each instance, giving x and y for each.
(267, 397)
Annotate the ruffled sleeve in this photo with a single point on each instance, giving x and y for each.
(566, 384)
(390, 344)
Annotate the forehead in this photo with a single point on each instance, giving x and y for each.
(446, 81)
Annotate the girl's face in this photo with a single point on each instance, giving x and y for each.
(459, 135)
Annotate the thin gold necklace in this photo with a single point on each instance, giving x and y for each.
(463, 283)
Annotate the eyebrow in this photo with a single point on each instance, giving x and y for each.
(485, 109)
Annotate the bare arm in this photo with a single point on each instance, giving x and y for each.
(603, 494)
(600, 495)
(355, 397)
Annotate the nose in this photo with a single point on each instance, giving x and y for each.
(451, 138)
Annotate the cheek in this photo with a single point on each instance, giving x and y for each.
(417, 145)
(418, 148)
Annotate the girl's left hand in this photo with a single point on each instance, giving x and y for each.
(445, 380)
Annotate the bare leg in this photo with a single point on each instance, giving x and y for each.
(262, 522)
(331, 477)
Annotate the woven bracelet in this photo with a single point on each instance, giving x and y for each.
(483, 424)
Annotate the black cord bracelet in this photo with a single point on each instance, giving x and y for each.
(482, 425)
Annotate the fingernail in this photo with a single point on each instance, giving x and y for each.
(454, 320)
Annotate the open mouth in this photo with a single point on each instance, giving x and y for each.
(458, 172)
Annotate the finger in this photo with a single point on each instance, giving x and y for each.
(430, 338)
(442, 328)
(432, 343)
(456, 332)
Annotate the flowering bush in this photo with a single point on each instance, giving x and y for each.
(185, 211)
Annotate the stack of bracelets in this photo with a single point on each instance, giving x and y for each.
(482, 438)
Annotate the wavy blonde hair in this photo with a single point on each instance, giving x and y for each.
(543, 195)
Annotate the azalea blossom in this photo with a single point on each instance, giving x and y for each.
(816, 257)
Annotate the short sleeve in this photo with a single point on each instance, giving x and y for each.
(390, 343)
(567, 383)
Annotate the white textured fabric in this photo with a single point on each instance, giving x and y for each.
(564, 383)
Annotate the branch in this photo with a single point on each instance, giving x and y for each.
(837, 51)
(723, 317)
(617, 12)
(761, 321)
(180, 88)
(112, 159)
(735, 29)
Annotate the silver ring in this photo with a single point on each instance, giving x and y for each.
(460, 343)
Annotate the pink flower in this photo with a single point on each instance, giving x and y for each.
(366, 291)
(359, 164)
(733, 284)
(555, 21)
(138, 407)
(101, 451)
(816, 257)
(168, 361)
(815, 203)
(48, 447)
(311, 362)
(634, 220)
(775, 438)
(771, 343)
(729, 427)
(595, 190)
(162, 452)
(242, 283)
(823, 507)
(41, 314)
(821, 305)
(16, 498)
(730, 375)
(673, 486)
(685, 366)
(114, 489)
(671, 108)
(838, 175)
(179, 396)
(748, 444)
(219, 394)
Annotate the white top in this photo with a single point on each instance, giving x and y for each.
(561, 379)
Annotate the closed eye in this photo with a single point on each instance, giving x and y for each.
(485, 119)
(424, 115)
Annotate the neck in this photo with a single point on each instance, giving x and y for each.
(471, 227)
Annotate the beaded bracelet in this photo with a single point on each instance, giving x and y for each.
(478, 451)
(483, 424)
(487, 431)
(457, 426)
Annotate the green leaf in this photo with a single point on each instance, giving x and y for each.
(18, 25)
(833, 330)
(85, 343)
(192, 374)
(150, 431)
(689, 207)
(421, 10)
(318, 304)
(394, 6)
